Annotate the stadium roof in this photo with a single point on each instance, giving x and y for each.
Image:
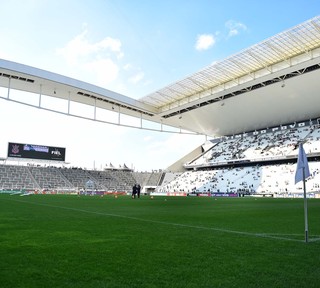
(278, 49)
(271, 83)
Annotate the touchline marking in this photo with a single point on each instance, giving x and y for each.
(314, 239)
(259, 235)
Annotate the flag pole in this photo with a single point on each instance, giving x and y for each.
(303, 172)
(305, 207)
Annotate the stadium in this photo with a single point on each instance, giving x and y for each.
(256, 107)
(227, 214)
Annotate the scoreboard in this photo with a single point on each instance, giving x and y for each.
(31, 151)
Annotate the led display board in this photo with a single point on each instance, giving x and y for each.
(31, 151)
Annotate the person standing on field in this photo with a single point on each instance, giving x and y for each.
(138, 190)
(134, 191)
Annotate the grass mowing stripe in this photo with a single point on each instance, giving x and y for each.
(260, 235)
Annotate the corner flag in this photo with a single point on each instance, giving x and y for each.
(302, 171)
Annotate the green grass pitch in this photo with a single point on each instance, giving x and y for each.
(91, 241)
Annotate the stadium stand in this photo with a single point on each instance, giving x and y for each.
(15, 177)
(64, 180)
(256, 163)
(260, 164)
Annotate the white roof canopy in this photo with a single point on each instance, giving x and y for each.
(279, 49)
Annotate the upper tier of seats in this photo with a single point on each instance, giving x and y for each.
(260, 147)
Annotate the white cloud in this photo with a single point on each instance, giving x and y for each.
(205, 41)
(234, 28)
(136, 78)
(127, 67)
(105, 70)
(79, 47)
(75, 49)
(98, 60)
(109, 43)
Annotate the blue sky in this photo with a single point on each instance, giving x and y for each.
(133, 47)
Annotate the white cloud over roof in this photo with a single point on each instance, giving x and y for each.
(235, 27)
(205, 41)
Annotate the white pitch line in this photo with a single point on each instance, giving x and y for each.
(258, 235)
(314, 239)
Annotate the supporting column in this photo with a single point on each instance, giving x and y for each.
(8, 96)
(40, 95)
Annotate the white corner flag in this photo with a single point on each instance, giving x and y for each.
(302, 171)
